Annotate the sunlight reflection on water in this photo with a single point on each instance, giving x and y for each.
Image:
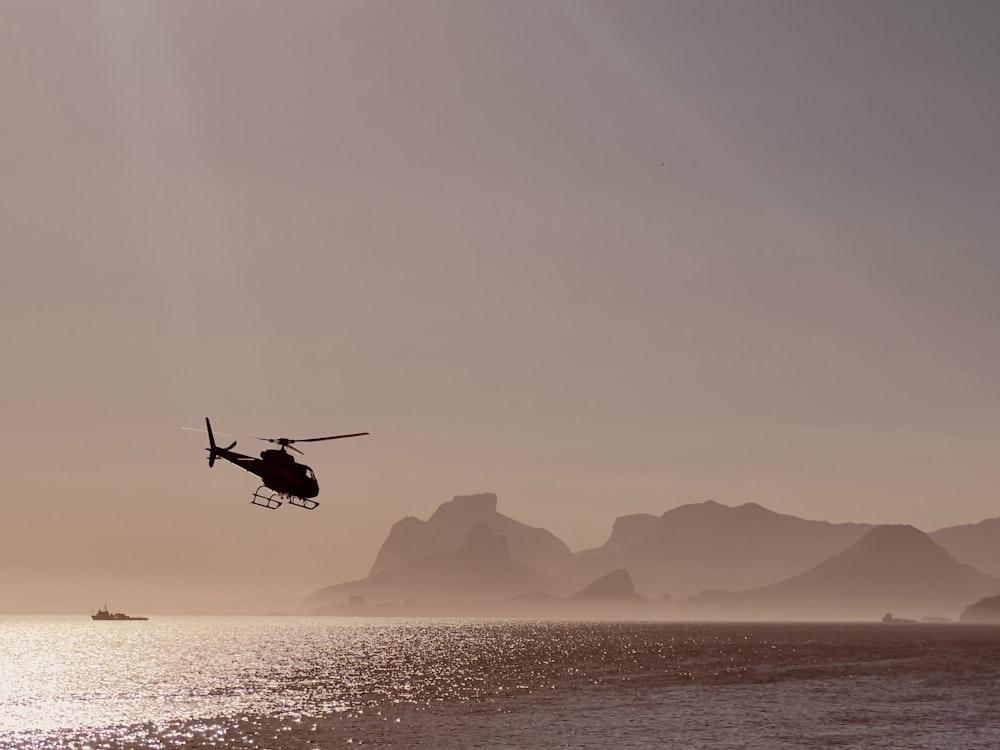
(297, 682)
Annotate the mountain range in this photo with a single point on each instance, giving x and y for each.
(702, 560)
(891, 568)
(709, 545)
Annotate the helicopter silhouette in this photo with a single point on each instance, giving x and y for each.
(282, 477)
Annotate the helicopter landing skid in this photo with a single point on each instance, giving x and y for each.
(303, 502)
(263, 497)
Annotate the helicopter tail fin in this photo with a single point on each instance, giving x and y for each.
(215, 451)
(211, 443)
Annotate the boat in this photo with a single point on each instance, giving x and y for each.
(892, 620)
(104, 614)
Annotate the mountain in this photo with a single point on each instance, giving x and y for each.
(985, 610)
(976, 544)
(709, 545)
(896, 568)
(411, 539)
(481, 569)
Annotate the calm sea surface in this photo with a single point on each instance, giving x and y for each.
(245, 682)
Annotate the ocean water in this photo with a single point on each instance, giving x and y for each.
(277, 682)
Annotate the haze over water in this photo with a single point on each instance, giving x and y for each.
(200, 682)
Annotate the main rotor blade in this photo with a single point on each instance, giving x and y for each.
(280, 441)
(332, 437)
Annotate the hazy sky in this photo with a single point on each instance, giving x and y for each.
(597, 257)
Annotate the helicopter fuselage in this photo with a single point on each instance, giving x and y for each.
(277, 470)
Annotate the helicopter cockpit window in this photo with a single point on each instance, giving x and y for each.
(309, 473)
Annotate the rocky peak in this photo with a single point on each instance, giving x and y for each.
(464, 507)
(446, 530)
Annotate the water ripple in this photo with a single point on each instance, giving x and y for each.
(176, 682)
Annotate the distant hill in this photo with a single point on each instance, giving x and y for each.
(411, 539)
(481, 569)
(985, 610)
(615, 586)
(710, 545)
(896, 569)
(611, 596)
(976, 544)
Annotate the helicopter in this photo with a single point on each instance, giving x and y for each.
(282, 477)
